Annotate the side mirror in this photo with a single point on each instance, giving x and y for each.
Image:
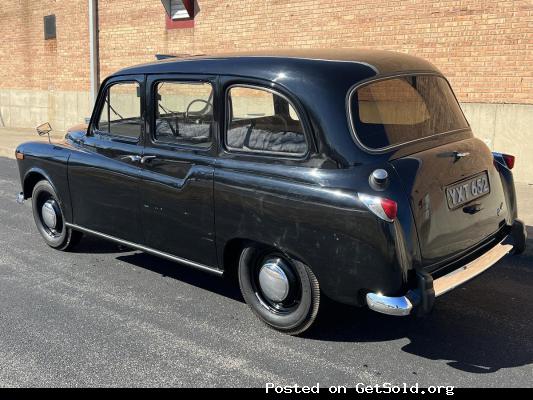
(44, 129)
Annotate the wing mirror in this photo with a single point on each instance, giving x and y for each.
(44, 129)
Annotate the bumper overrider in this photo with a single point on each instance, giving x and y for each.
(421, 299)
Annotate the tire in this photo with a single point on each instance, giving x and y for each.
(59, 236)
(295, 313)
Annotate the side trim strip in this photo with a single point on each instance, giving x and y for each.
(149, 250)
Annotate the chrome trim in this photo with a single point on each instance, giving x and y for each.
(20, 198)
(469, 271)
(398, 306)
(459, 155)
(273, 281)
(403, 305)
(49, 214)
(132, 158)
(147, 249)
(369, 81)
(144, 159)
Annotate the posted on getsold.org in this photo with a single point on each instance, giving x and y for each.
(360, 388)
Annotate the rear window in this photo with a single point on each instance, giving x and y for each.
(398, 110)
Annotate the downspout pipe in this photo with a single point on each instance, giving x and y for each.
(94, 50)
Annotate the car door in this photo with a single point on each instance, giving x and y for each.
(104, 177)
(178, 167)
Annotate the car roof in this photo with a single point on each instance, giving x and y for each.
(260, 63)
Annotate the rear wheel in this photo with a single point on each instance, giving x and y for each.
(283, 293)
(49, 218)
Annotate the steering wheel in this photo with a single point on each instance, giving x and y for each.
(196, 101)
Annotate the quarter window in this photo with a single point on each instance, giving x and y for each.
(121, 112)
(184, 113)
(262, 121)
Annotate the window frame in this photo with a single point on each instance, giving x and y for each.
(380, 150)
(154, 81)
(227, 120)
(95, 118)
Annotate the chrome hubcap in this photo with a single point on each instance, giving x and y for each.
(273, 280)
(49, 214)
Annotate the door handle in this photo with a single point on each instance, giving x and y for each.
(147, 158)
(132, 158)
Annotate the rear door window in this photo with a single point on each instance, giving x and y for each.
(263, 121)
(399, 110)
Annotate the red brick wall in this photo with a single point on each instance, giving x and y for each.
(484, 47)
(27, 61)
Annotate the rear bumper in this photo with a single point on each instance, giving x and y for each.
(423, 297)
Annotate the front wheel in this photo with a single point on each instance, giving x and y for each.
(283, 293)
(49, 218)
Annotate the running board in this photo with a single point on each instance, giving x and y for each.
(149, 250)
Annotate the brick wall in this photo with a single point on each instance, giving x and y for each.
(27, 61)
(484, 47)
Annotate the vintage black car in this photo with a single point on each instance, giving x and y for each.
(347, 174)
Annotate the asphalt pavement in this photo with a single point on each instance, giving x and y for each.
(103, 315)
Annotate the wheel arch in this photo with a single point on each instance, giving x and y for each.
(233, 248)
(31, 178)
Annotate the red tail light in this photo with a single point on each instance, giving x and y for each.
(509, 160)
(385, 209)
(390, 208)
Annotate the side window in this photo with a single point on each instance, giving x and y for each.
(262, 121)
(184, 113)
(121, 112)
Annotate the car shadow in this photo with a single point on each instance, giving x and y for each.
(201, 279)
(474, 329)
(95, 245)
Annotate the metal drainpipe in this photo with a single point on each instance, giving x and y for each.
(94, 49)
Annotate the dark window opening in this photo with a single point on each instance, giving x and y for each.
(121, 112)
(399, 110)
(262, 121)
(184, 113)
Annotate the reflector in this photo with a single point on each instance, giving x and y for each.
(509, 160)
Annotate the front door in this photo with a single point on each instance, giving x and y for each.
(104, 179)
(178, 168)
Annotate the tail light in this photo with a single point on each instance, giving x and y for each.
(509, 160)
(506, 159)
(384, 208)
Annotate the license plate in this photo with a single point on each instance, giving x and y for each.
(467, 190)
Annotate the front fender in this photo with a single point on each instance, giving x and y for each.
(46, 161)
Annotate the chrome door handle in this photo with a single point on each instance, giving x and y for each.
(132, 158)
(147, 158)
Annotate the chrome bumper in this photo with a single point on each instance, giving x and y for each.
(404, 305)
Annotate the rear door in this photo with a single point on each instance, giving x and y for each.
(456, 194)
(178, 167)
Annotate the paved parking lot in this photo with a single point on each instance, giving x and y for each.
(103, 315)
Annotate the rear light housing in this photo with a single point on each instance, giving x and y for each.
(509, 160)
(506, 159)
(384, 208)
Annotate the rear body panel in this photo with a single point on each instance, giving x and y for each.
(445, 229)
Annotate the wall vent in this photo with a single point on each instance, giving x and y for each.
(49, 27)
